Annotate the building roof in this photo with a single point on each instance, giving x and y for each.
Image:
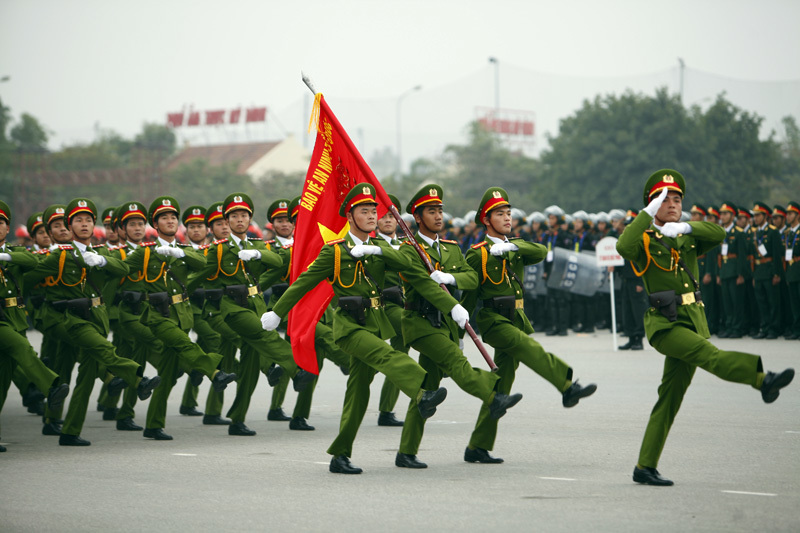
(244, 155)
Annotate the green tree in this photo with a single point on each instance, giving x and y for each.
(29, 135)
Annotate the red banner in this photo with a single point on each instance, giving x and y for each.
(256, 114)
(194, 119)
(175, 120)
(234, 116)
(215, 117)
(336, 166)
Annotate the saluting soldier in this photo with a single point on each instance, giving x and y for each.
(733, 267)
(500, 263)
(17, 351)
(72, 277)
(767, 272)
(165, 266)
(234, 266)
(666, 254)
(792, 260)
(432, 318)
(355, 266)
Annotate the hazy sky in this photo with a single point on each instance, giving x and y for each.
(77, 63)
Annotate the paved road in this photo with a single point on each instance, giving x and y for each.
(735, 461)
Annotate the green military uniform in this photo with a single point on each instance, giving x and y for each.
(503, 323)
(106, 401)
(426, 304)
(678, 328)
(74, 302)
(792, 259)
(166, 311)
(751, 314)
(241, 304)
(708, 265)
(768, 250)
(732, 263)
(17, 351)
(361, 338)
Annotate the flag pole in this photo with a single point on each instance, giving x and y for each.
(422, 255)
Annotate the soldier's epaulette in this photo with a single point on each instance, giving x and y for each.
(43, 251)
(182, 244)
(448, 241)
(772, 227)
(204, 246)
(149, 243)
(220, 241)
(271, 241)
(476, 246)
(739, 229)
(287, 246)
(406, 242)
(650, 230)
(335, 241)
(65, 247)
(101, 245)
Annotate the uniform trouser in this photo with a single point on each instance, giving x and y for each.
(62, 362)
(751, 314)
(191, 355)
(168, 366)
(512, 347)
(768, 300)
(16, 346)
(89, 369)
(96, 346)
(437, 353)
(143, 347)
(123, 349)
(785, 313)
(634, 305)
(368, 355)
(794, 301)
(685, 350)
(558, 309)
(209, 340)
(733, 296)
(259, 349)
(390, 393)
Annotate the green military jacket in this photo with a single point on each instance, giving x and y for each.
(133, 282)
(275, 276)
(791, 239)
(224, 268)
(347, 277)
(661, 271)
(496, 280)
(734, 263)
(65, 276)
(419, 286)
(11, 285)
(771, 262)
(164, 273)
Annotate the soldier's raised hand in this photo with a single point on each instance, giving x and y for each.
(673, 229)
(655, 204)
(360, 250)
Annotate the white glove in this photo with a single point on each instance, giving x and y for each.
(94, 260)
(503, 247)
(654, 205)
(672, 229)
(249, 255)
(460, 315)
(442, 277)
(269, 320)
(169, 250)
(360, 250)
(5, 257)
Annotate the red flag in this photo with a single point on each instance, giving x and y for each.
(256, 114)
(215, 117)
(194, 118)
(336, 166)
(175, 120)
(234, 116)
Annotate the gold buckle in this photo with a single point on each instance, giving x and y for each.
(519, 303)
(177, 299)
(758, 261)
(375, 302)
(11, 302)
(97, 302)
(687, 298)
(252, 291)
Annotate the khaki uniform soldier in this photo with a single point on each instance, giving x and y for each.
(128, 293)
(17, 351)
(792, 259)
(72, 277)
(233, 267)
(166, 311)
(283, 215)
(767, 272)
(210, 340)
(676, 325)
(393, 300)
(499, 263)
(432, 318)
(733, 267)
(355, 267)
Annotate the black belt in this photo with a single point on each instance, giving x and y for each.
(393, 294)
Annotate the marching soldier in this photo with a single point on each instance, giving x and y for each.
(72, 276)
(38, 232)
(166, 311)
(499, 263)
(356, 265)
(17, 351)
(233, 267)
(767, 272)
(675, 324)
(733, 267)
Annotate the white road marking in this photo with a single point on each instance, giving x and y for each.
(185, 454)
(320, 462)
(558, 478)
(794, 432)
(749, 493)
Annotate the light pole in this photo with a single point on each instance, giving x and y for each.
(399, 102)
(496, 83)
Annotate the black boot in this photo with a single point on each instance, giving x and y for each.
(277, 415)
(127, 424)
(636, 343)
(387, 418)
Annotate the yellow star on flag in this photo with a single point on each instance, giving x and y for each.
(329, 235)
